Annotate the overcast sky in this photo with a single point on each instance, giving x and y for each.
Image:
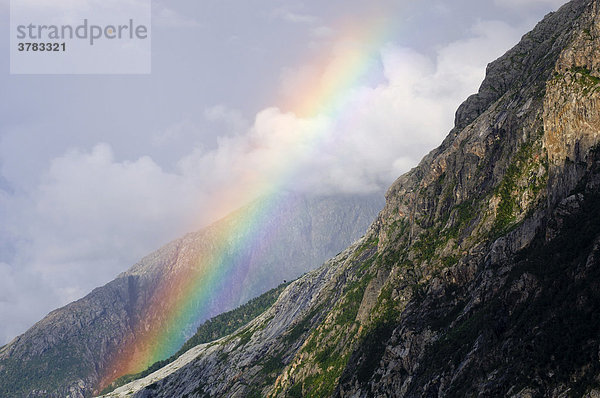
(97, 171)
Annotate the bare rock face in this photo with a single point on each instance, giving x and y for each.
(572, 105)
(480, 277)
(69, 353)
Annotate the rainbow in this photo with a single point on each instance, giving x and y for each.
(190, 294)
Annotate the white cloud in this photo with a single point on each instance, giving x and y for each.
(380, 132)
(385, 130)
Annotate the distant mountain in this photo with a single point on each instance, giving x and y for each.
(480, 277)
(130, 323)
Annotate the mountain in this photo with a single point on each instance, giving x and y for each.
(480, 277)
(129, 323)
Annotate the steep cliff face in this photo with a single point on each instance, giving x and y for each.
(481, 275)
(70, 352)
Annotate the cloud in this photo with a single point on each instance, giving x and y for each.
(293, 80)
(232, 120)
(164, 16)
(322, 32)
(91, 215)
(294, 17)
(410, 112)
(174, 132)
(528, 3)
(363, 148)
(21, 293)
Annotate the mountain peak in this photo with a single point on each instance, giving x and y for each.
(529, 63)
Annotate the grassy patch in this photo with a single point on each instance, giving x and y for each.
(521, 176)
(587, 79)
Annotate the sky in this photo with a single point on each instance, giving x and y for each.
(336, 97)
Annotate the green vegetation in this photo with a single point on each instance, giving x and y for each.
(213, 329)
(372, 348)
(373, 339)
(322, 384)
(397, 228)
(587, 79)
(385, 307)
(295, 391)
(520, 176)
(582, 76)
(449, 261)
(437, 236)
(328, 344)
(254, 393)
(351, 303)
(228, 322)
(463, 214)
(271, 367)
(367, 247)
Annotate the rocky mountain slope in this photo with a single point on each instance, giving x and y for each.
(481, 276)
(211, 330)
(71, 351)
